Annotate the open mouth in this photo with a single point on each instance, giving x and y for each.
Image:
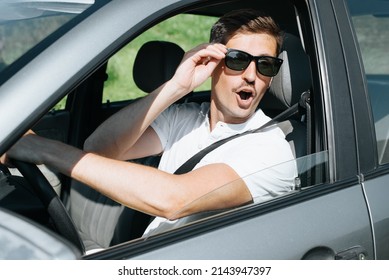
(245, 95)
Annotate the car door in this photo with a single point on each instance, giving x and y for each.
(326, 218)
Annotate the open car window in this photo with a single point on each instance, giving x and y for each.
(312, 171)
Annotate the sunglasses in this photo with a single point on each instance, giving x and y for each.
(239, 60)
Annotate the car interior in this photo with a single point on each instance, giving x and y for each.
(91, 211)
(102, 222)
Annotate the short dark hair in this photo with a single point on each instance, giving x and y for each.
(245, 21)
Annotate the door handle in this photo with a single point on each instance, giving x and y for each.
(353, 253)
(325, 253)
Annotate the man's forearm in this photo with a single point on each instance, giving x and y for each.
(159, 193)
(140, 187)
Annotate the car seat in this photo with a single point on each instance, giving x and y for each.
(287, 88)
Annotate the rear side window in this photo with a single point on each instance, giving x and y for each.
(371, 22)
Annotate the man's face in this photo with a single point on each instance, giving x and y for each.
(236, 94)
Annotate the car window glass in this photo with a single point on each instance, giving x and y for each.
(371, 22)
(24, 24)
(178, 29)
(311, 171)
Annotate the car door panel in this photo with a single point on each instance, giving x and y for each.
(341, 222)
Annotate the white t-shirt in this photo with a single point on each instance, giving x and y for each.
(184, 130)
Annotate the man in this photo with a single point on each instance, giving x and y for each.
(152, 126)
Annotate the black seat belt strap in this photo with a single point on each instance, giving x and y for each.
(191, 163)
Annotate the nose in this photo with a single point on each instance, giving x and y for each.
(250, 73)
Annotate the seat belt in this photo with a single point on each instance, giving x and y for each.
(283, 116)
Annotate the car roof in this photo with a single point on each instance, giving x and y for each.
(282, 11)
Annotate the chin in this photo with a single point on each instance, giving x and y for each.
(242, 115)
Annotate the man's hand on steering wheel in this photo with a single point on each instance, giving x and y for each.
(25, 155)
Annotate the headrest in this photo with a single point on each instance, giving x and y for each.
(293, 78)
(155, 63)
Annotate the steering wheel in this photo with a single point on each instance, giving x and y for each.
(53, 204)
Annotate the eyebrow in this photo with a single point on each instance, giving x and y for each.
(265, 54)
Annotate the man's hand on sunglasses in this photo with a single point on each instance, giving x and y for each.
(198, 65)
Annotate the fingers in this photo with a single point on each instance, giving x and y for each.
(3, 159)
(30, 132)
(25, 149)
(206, 60)
(209, 52)
(197, 66)
(18, 149)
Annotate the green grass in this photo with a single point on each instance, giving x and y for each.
(185, 30)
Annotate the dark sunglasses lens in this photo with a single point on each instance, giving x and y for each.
(237, 60)
(268, 66)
